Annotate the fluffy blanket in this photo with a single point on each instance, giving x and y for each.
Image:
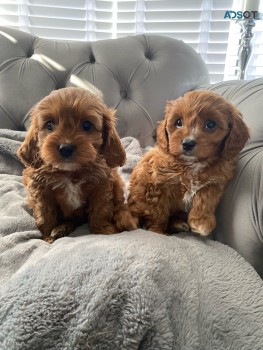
(134, 290)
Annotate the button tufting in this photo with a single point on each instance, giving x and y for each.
(30, 53)
(124, 94)
(92, 58)
(148, 55)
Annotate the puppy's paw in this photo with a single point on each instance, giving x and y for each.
(176, 226)
(48, 239)
(107, 229)
(125, 221)
(62, 230)
(203, 225)
(157, 229)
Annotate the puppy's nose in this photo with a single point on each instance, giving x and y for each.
(188, 144)
(66, 150)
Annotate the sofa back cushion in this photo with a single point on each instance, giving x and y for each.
(136, 75)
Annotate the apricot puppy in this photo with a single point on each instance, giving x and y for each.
(178, 184)
(71, 152)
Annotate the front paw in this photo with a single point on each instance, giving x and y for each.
(125, 221)
(176, 226)
(203, 225)
(107, 229)
(161, 229)
(62, 230)
(48, 239)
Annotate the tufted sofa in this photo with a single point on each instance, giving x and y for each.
(134, 290)
(137, 75)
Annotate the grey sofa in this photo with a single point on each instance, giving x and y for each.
(134, 290)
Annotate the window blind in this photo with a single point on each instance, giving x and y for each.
(199, 23)
(9, 14)
(60, 19)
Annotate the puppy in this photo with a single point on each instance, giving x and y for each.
(178, 184)
(71, 152)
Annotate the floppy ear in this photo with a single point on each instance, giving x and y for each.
(28, 152)
(238, 135)
(112, 148)
(162, 136)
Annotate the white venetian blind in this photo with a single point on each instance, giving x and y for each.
(200, 23)
(9, 14)
(60, 19)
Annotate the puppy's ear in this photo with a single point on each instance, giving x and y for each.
(162, 136)
(112, 148)
(238, 135)
(28, 152)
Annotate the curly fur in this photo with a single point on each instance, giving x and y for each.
(65, 191)
(177, 189)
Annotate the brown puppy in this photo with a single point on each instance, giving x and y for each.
(183, 177)
(71, 152)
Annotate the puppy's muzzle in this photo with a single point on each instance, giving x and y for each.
(66, 150)
(188, 144)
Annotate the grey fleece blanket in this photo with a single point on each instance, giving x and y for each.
(134, 290)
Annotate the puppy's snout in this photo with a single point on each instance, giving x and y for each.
(188, 144)
(66, 150)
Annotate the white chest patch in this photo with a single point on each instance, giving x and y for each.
(195, 186)
(72, 193)
(190, 193)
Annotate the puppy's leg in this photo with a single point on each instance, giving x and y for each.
(122, 215)
(151, 204)
(201, 218)
(45, 213)
(157, 217)
(101, 210)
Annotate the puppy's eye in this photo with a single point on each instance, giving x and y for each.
(179, 123)
(50, 125)
(210, 124)
(87, 125)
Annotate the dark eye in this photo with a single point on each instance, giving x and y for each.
(179, 123)
(86, 125)
(210, 124)
(50, 125)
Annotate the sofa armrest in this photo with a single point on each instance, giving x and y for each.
(240, 213)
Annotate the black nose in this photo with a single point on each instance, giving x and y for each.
(188, 144)
(66, 150)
